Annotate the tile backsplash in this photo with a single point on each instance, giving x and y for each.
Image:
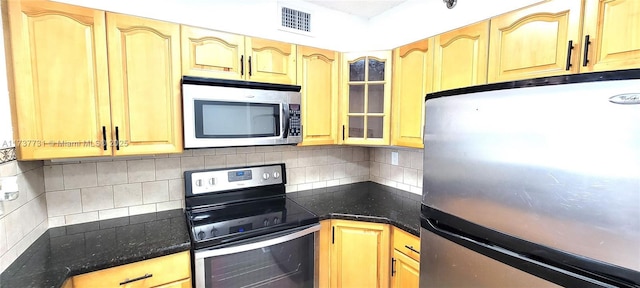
(25, 218)
(407, 175)
(96, 189)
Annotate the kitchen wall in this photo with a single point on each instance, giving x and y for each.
(407, 175)
(89, 190)
(24, 218)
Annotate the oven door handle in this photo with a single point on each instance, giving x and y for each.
(256, 245)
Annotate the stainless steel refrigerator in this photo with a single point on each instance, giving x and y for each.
(533, 184)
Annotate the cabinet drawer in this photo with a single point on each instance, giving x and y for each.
(155, 272)
(405, 242)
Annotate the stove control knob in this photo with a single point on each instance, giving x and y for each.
(276, 220)
(276, 175)
(199, 182)
(212, 181)
(201, 235)
(265, 222)
(265, 176)
(214, 232)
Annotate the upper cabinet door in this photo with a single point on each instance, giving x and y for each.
(207, 53)
(318, 77)
(58, 79)
(270, 61)
(537, 41)
(612, 27)
(412, 80)
(366, 98)
(460, 57)
(144, 67)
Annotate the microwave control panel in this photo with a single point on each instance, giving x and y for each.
(295, 125)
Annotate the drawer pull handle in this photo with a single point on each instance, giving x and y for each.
(411, 248)
(145, 276)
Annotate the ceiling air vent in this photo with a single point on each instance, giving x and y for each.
(297, 20)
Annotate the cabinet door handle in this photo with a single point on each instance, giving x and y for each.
(104, 138)
(342, 132)
(585, 58)
(241, 65)
(412, 249)
(249, 65)
(393, 266)
(117, 139)
(145, 276)
(569, 49)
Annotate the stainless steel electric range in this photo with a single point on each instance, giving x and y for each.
(246, 232)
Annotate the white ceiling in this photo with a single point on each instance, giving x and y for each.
(361, 8)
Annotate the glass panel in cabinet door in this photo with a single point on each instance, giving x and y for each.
(374, 127)
(376, 98)
(356, 71)
(376, 70)
(356, 126)
(356, 98)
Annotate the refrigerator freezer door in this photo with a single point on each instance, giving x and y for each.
(555, 165)
(451, 265)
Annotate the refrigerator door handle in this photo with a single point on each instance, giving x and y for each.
(560, 267)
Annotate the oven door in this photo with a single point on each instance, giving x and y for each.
(283, 259)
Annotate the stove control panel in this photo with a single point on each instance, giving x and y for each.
(229, 179)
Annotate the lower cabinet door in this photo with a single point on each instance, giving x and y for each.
(359, 254)
(405, 271)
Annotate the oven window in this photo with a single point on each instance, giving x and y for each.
(215, 119)
(284, 265)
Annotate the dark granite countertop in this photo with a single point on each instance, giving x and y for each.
(364, 201)
(66, 251)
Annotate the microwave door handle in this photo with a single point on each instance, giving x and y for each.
(285, 125)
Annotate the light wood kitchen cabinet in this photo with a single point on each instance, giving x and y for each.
(612, 28)
(359, 254)
(167, 271)
(540, 40)
(412, 80)
(71, 100)
(405, 259)
(324, 255)
(366, 98)
(318, 77)
(460, 57)
(214, 54)
(406, 271)
(58, 79)
(144, 78)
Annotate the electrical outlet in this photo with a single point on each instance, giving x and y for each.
(394, 158)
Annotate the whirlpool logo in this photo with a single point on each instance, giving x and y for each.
(632, 98)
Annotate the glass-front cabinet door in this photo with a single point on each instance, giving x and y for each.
(367, 98)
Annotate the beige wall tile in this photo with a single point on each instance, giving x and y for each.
(53, 179)
(176, 189)
(404, 158)
(416, 160)
(169, 168)
(110, 173)
(358, 154)
(263, 149)
(60, 203)
(155, 192)
(56, 221)
(305, 158)
(325, 172)
(204, 152)
(339, 171)
(255, 159)
(13, 226)
(31, 183)
(403, 186)
(305, 186)
(7, 259)
(81, 218)
(226, 151)
(374, 169)
(170, 205)
(291, 188)
(79, 175)
(416, 190)
(245, 150)
(296, 175)
(141, 170)
(142, 209)
(320, 157)
(97, 198)
(334, 182)
(192, 163)
(320, 184)
(290, 159)
(217, 161)
(3, 237)
(312, 174)
(127, 194)
(397, 173)
(24, 166)
(236, 160)
(9, 169)
(410, 176)
(113, 213)
(272, 157)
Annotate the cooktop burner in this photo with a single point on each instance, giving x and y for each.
(233, 204)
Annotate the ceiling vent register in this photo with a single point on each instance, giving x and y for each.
(295, 19)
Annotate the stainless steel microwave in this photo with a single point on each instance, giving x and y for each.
(225, 113)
